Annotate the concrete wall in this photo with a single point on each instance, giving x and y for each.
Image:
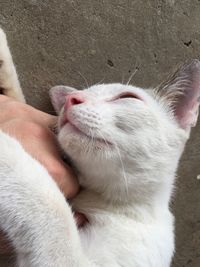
(71, 41)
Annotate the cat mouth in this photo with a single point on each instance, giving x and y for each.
(76, 130)
(63, 121)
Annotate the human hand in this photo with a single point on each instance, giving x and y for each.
(31, 128)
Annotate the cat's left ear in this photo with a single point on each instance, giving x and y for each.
(182, 94)
(58, 94)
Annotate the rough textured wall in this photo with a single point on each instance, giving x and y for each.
(71, 41)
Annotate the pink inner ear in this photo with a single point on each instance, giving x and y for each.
(188, 115)
(187, 109)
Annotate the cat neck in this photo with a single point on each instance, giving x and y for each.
(150, 186)
(96, 208)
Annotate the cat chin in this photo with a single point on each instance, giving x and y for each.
(75, 141)
(70, 131)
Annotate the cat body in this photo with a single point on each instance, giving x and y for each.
(133, 237)
(129, 220)
(126, 144)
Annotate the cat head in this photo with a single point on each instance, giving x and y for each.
(126, 141)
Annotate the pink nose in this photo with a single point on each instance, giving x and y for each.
(73, 99)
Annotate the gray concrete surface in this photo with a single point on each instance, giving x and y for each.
(62, 41)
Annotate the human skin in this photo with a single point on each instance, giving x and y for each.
(32, 128)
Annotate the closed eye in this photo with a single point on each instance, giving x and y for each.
(128, 95)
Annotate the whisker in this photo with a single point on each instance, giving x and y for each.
(92, 137)
(131, 76)
(85, 80)
(122, 78)
(122, 165)
(108, 147)
(123, 170)
(100, 81)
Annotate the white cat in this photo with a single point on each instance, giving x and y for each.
(125, 143)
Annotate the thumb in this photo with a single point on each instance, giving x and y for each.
(50, 120)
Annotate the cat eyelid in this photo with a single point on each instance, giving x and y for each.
(128, 95)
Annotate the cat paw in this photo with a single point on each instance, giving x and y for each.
(2, 34)
(3, 40)
(3, 45)
(9, 82)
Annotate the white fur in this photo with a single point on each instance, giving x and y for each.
(128, 184)
(127, 168)
(8, 77)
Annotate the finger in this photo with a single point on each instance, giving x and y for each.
(41, 117)
(48, 155)
(32, 136)
(47, 120)
(65, 179)
(10, 109)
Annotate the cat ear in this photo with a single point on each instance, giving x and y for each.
(57, 95)
(182, 94)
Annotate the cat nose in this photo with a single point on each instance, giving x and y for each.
(73, 99)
